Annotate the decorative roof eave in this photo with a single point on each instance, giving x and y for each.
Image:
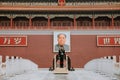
(61, 8)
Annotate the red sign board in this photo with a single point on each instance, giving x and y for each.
(13, 40)
(108, 40)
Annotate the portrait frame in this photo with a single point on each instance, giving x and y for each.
(55, 39)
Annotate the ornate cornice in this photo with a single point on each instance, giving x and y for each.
(61, 8)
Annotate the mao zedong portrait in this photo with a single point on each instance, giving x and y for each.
(61, 38)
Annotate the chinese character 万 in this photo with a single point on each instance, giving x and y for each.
(6, 40)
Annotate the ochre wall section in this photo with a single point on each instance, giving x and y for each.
(40, 50)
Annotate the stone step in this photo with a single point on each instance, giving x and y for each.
(61, 70)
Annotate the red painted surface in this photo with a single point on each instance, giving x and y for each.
(40, 50)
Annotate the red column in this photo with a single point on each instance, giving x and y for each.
(93, 22)
(0, 26)
(112, 22)
(11, 22)
(48, 22)
(75, 25)
(30, 22)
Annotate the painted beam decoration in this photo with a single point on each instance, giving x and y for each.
(108, 40)
(13, 40)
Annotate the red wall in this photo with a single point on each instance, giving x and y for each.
(40, 50)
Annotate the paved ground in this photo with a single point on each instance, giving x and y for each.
(45, 74)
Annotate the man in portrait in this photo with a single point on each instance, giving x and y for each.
(61, 39)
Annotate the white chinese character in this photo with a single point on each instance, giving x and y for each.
(106, 40)
(17, 40)
(117, 40)
(6, 40)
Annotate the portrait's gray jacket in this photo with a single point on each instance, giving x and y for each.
(65, 47)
